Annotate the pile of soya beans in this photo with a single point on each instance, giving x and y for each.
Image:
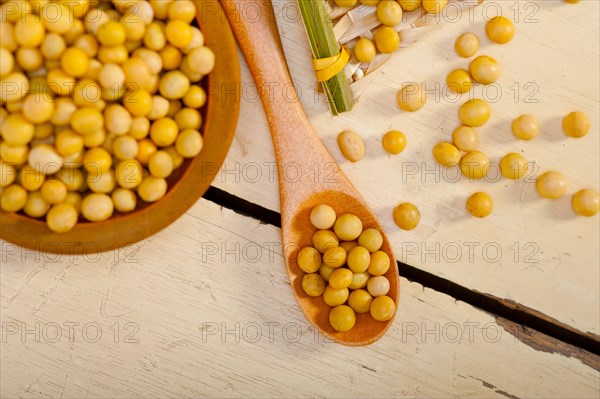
(389, 13)
(462, 151)
(99, 104)
(346, 266)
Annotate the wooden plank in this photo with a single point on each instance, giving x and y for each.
(531, 251)
(179, 315)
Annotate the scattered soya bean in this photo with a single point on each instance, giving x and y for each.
(586, 202)
(394, 142)
(465, 138)
(406, 216)
(349, 274)
(576, 124)
(446, 154)
(466, 45)
(475, 112)
(484, 70)
(500, 30)
(475, 165)
(459, 81)
(411, 97)
(351, 145)
(513, 166)
(552, 185)
(526, 127)
(480, 205)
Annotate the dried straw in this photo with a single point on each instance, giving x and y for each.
(350, 24)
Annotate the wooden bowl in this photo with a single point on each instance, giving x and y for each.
(186, 185)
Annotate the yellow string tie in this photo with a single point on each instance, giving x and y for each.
(327, 68)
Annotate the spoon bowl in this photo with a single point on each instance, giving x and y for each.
(304, 167)
(298, 235)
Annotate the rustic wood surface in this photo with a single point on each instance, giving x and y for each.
(531, 251)
(204, 308)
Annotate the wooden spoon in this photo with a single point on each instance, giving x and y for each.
(308, 175)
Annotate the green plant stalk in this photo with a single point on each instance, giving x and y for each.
(323, 43)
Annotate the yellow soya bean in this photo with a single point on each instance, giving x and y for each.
(103, 182)
(360, 301)
(13, 87)
(387, 40)
(382, 308)
(97, 207)
(411, 97)
(465, 138)
(480, 205)
(125, 200)
(406, 216)
(576, 124)
(500, 29)
(322, 217)
(586, 202)
(189, 143)
(313, 284)
(8, 174)
(552, 185)
(526, 127)
(466, 45)
(36, 206)
(160, 108)
(53, 191)
(13, 198)
(7, 62)
(365, 50)
(342, 318)
(62, 218)
(351, 145)
(117, 119)
(160, 164)
(125, 147)
(129, 174)
(45, 159)
(348, 227)
(152, 189)
(378, 286)
(17, 130)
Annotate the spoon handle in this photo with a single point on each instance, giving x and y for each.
(297, 148)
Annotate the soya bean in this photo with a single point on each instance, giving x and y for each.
(466, 45)
(406, 216)
(411, 97)
(552, 185)
(378, 286)
(342, 318)
(382, 308)
(313, 284)
(525, 127)
(586, 202)
(576, 124)
(360, 301)
(322, 217)
(480, 205)
(351, 145)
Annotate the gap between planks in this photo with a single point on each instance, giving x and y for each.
(544, 332)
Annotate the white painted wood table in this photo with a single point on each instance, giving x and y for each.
(204, 308)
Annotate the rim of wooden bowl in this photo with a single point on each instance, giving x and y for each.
(186, 185)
